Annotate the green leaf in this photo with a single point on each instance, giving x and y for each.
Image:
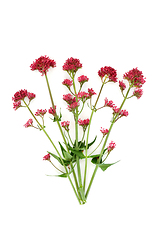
(79, 153)
(67, 156)
(104, 166)
(90, 144)
(95, 159)
(62, 149)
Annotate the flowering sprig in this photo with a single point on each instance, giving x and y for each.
(73, 150)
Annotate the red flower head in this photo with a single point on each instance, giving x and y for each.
(68, 83)
(29, 123)
(47, 157)
(69, 98)
(83, 96)
(84, 123)
(135, 77)
(122, 85)
(20, 95)
(72, 64)
(40, 112)
(73, 106)
(16, 105)
(104, 131)
(138, 92)
(52, 110)
(111, 146)
(65, 125)
(91, 92)
(109, 72)
(42, 64)
(31, 95)
(82, 79)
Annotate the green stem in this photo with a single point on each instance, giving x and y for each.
(85, 171)
(94, 173)
(56, 167)
(59, 126)
(96, 147)
(55, 149)
(76, 135)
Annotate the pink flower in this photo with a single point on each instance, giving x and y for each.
(65, 125)
(68, 83)
(109, 72)
(122, 85)
(116, 109)
(91, 92)
(29, 123)
(108, 103)
(40, 112)
(111, 146)
(124, 113)
(104, 131)
(82, 79)
(30, 95)
(83, 123)
(42, 64)
(73, 106)
(47, 157)
(20, 95)
(83, 96)
(72, 64)
(138, 92)
(16, 105)
(52, 110)
(135, 77)
(69, 98)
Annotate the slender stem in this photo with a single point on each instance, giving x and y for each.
(76, 135)
(70, 138)
(56, 167)
(85, 171)
(96, 147)
(50, 94)
(94, 173)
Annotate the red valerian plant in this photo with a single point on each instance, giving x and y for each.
(72, 152)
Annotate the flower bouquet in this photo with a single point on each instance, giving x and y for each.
(71, 152)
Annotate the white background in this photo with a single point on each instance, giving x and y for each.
(124, 201)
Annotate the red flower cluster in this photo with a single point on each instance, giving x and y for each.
(104, 131)
(69, 98)
(72, 64)
(65, 125)
(42, 64)
(29, 123)
(68, 83)
(16, 105)
(115, 108)
(111, 146)
(138, 92)
(40, 112)
(52, 110)
(91, 92)
(136, 77)
(83, 123)
(47, 157)
(122, 85)
(83, 96)
(73, 106)
(109, 72)
(20, 95)
(82, 79)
